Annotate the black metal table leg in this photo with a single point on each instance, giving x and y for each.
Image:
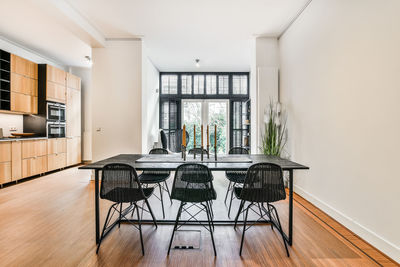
(97, 208)
(290, 241)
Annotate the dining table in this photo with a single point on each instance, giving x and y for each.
(170, 162)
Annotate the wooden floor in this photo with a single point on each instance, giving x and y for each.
(49, 221)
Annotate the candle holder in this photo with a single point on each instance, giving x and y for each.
(208, 151)
(194, 152)
(202, 151)
(183, 152)
(215, 152)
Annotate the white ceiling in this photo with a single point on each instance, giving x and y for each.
(175, 32)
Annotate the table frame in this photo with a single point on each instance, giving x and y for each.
(130, 159)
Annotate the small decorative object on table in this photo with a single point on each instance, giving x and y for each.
(208, 142)
(202, 146)
(215, 142)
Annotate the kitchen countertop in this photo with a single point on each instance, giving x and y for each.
(8, 139)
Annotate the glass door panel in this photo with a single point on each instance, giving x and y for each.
(218, 115)
(192, 115)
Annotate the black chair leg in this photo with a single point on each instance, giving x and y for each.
(237, 215)
(140, 228)
(281, 231)
(230, 203)
(120, 216)
(178, 215)
(104, 228)
(269, 214)
(211, 215)
(169, 194)
(210, 227)
(227, 191)
(244, 228)
(151, 213)
(162, 201)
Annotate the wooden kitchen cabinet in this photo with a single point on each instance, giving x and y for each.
(16, 160)
(5, 162)
(34, 148)
(74, 155)
(55, 92)
(56, 75)
(57, 156)
(73, 82)
(24, 67)
(73, 112)
(24, 103)
(34, 166)
(24, 85)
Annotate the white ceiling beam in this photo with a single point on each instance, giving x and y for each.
(79, 25)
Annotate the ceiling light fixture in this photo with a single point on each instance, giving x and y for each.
(197, 63)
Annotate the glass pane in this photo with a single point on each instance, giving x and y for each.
(186, 81)
(198, 84)
(165, 115)
(217, 115)
(239, 84)
(236, 138)
(173, 115)
(211, 84)
(237, 115)
(191, 117)
(223, 84)
(169, 84)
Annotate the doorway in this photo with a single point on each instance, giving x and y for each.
(207, 112)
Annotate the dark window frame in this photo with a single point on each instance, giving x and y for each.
(229, 96)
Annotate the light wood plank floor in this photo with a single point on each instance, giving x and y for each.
(49, 221)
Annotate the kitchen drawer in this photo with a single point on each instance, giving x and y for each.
(34, 148)
(56, 161)
(56, 145)
(34, 166)
(5, 151)
(5, 172)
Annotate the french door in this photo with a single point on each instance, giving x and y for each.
(207, 112)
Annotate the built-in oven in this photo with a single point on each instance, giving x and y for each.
(55, 129)
(55, 112)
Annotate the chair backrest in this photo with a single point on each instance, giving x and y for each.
(197, 150)
(263, 183)
(164, 141)
(193, 183)
(158, 151)
(120, 183)
(238, 150)
(175, 138)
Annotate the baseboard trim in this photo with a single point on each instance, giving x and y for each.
(371, 237)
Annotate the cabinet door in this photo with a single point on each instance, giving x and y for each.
(34, 166)
(73, 151)
(24, 67)
(34, 148)
(24, 85)
(56, 161)
(16, 160)
(5, 151)
(56, 75)
(24, 103)
(56, 145)
(55, 92)
(73, 112)
(73, 82)
(5, 172)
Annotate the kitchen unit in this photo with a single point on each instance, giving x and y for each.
(54, 96)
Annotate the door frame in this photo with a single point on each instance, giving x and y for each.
(205, 113)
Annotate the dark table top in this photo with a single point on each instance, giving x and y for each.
(219, 166)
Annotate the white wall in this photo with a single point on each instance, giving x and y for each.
(340, 78)
(263, 84)
(150, 103)
(116, 99)
(86, 109)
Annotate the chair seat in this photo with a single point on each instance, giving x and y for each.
(236, 176)
(259, 195)
(153, 178)
(194, 195)
(126, 195)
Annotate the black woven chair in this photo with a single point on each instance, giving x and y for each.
(193, 184)
(159, 178)
(164, 140)
(175, 140)
(120, 184)
(263, 185)
(234, 177)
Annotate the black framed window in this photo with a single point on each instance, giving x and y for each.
(198, 84)
(169, 84)
(234, 87)
(211, 84)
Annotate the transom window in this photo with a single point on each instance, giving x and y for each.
(169, 84)
(239, 84)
